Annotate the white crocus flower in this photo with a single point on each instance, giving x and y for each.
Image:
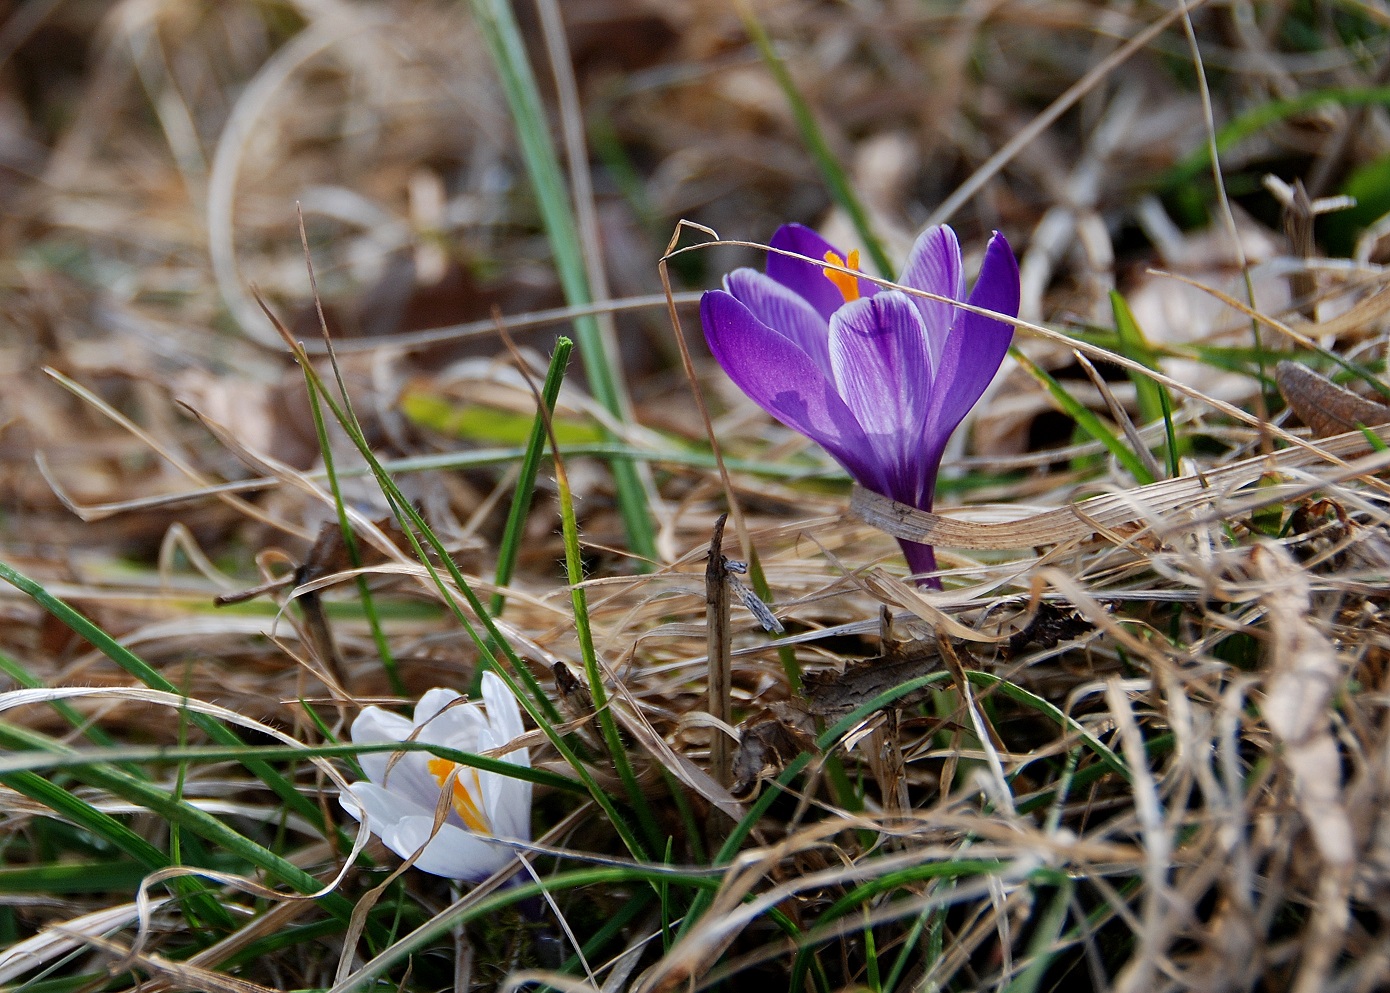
(401, 798)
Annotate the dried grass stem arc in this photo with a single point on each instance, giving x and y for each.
(1078, 522)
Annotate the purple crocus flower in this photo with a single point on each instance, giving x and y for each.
(879, 378)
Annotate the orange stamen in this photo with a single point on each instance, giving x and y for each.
(847, 285)
(467, 807)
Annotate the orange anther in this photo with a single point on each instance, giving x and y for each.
(847, 285)
(463, 798)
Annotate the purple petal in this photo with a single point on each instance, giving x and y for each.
(783, 310)
(806, 280)
(934, 266)
(878, 351)
(782, 379)
(976, 345)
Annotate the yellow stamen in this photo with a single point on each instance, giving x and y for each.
(847, 285)
(467, 807)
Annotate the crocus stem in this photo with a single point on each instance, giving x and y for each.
(921, 559)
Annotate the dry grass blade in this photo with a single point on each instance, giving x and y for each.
(168, 974)
(1060, 106)
(1121, 417)
(58, 940)
(717, 652)
(237, 135)
(1157, 839)
(197, 478)
(1307, 673)
(1165, 507)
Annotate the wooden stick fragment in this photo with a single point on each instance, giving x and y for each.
(720, 663)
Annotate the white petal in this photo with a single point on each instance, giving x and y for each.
(382, 808)
(453, 852)
(508, 805)
(409, 773)
(433, 702)
(444, 721)
(507, 800)
(503, 712)
(404, 828)
(375, 724)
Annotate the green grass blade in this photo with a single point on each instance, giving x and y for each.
(1248, 360)
(890, 881)
(874, 980)
(574, 569)
(886, 884)
(418, 533)
(1156, 746)
(1133, 345)
(1086, 420)
(1049, 928)
(510, 544)
(443, 924)
(112, 875)
(115, 833)
(47, 761)
(1019, 695)
(508, 49)
(910, 942)
(824, 742)
(1258, 118)
(1154, 401)
(383, 647)
(26, 679)
(187, 816)
(844, 792)
(831, 171)
(1170, 436)
(142, 671)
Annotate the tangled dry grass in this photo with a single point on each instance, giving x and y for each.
(1140, 741)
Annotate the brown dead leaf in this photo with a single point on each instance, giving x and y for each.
(763, 752)
(831, 694)
(1323, 405)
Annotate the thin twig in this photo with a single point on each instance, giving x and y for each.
(720, 665)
